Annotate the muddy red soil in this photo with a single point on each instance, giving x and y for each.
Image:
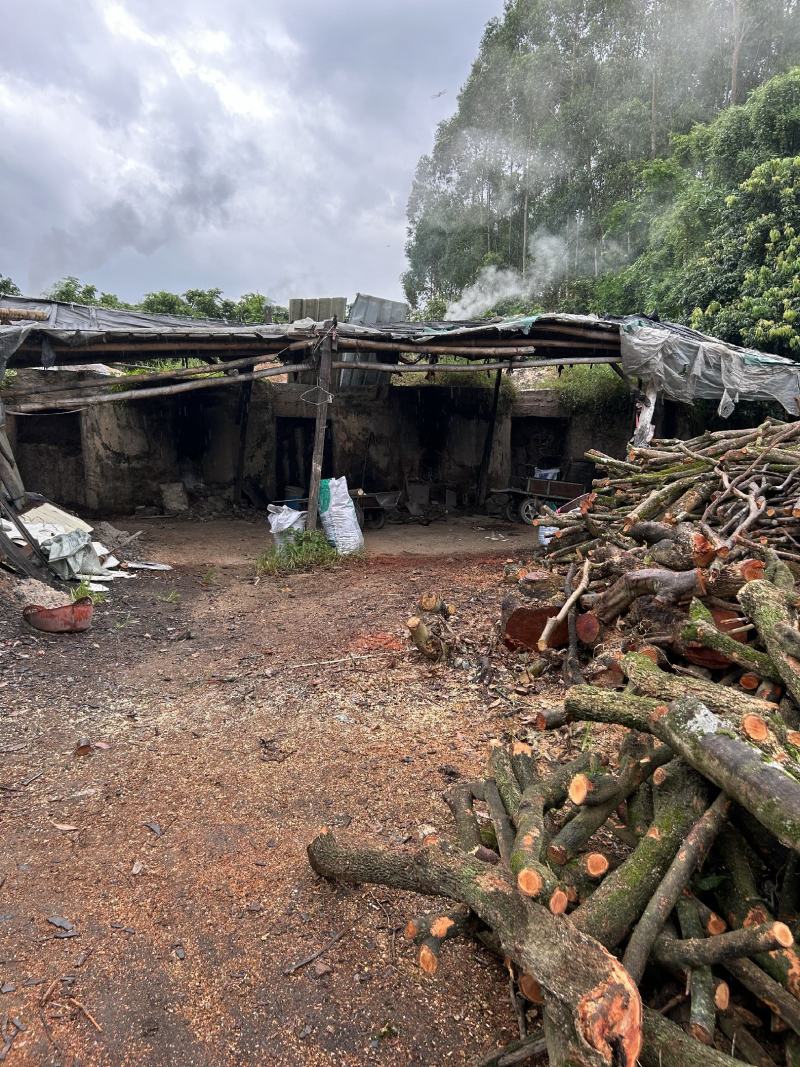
(173, 855)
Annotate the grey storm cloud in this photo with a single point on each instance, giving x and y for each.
(256, 144)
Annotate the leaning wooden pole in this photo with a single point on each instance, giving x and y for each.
(323, 385)
(10, 478)
(488, 444)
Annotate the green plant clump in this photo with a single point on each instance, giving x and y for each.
(82, 590)
(595, 391)
(308, 550)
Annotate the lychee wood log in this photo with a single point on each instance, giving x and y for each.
(703, 1010)
(666, 1045)
(699, 951)
(767, 788)
(619, 900)
(689, 858)
(671, 586)
(766, 605)
(759, 983)
(651, 681)
(592, 1008)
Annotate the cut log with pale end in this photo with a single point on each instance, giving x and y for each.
(432, 647)
(767, 607)
(768, 788)
(593, 1012)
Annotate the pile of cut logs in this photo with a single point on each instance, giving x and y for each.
(644, 904)
(740, 487)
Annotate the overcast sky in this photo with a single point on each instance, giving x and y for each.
(247, 144)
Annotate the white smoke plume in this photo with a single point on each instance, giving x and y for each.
(547, 263)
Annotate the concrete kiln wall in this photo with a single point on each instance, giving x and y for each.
(112, 458)
(131, 449)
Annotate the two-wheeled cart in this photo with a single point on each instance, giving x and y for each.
(523, 504)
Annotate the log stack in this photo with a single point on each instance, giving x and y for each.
(740, 489)
(645, 904)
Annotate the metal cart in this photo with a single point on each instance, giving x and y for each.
(523, 504)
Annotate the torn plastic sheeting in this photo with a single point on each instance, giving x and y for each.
(684, 365)
(71, 554)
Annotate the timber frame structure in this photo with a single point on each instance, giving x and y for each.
(660, 358)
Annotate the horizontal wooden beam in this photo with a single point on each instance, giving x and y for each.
(10, 314)
(155, 376)
(472, 368)
(350, 344)
(78, 400)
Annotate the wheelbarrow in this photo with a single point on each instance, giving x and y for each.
(371, 508)
(523, 504)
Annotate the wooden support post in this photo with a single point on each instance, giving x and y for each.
(10, 479)
(244, 420)
(323, 385)
(488, 445)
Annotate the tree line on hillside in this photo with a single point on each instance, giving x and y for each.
(194, 303)
(621, 156)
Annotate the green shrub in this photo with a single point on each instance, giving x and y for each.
(595, 391)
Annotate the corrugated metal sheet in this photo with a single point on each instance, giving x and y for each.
(318, 308)
(369, 311)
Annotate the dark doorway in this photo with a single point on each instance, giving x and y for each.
(294, 440)
(50, 457)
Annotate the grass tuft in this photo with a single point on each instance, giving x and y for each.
(82, 590)
(308, 550)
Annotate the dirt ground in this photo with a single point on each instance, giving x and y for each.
(231, 718)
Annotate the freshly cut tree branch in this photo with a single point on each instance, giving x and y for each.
(735, 944)
(766, 605)
(690, 856)
(623, 895)
(592, 1008)
(577, 593)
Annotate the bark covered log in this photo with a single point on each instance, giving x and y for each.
(766, 605)
(591, 1004)
(622, 896)
(690, 856)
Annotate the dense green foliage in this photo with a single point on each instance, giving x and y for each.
(621, 156)
(7, 287)
(194, 303)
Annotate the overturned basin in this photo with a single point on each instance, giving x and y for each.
(68, 619)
